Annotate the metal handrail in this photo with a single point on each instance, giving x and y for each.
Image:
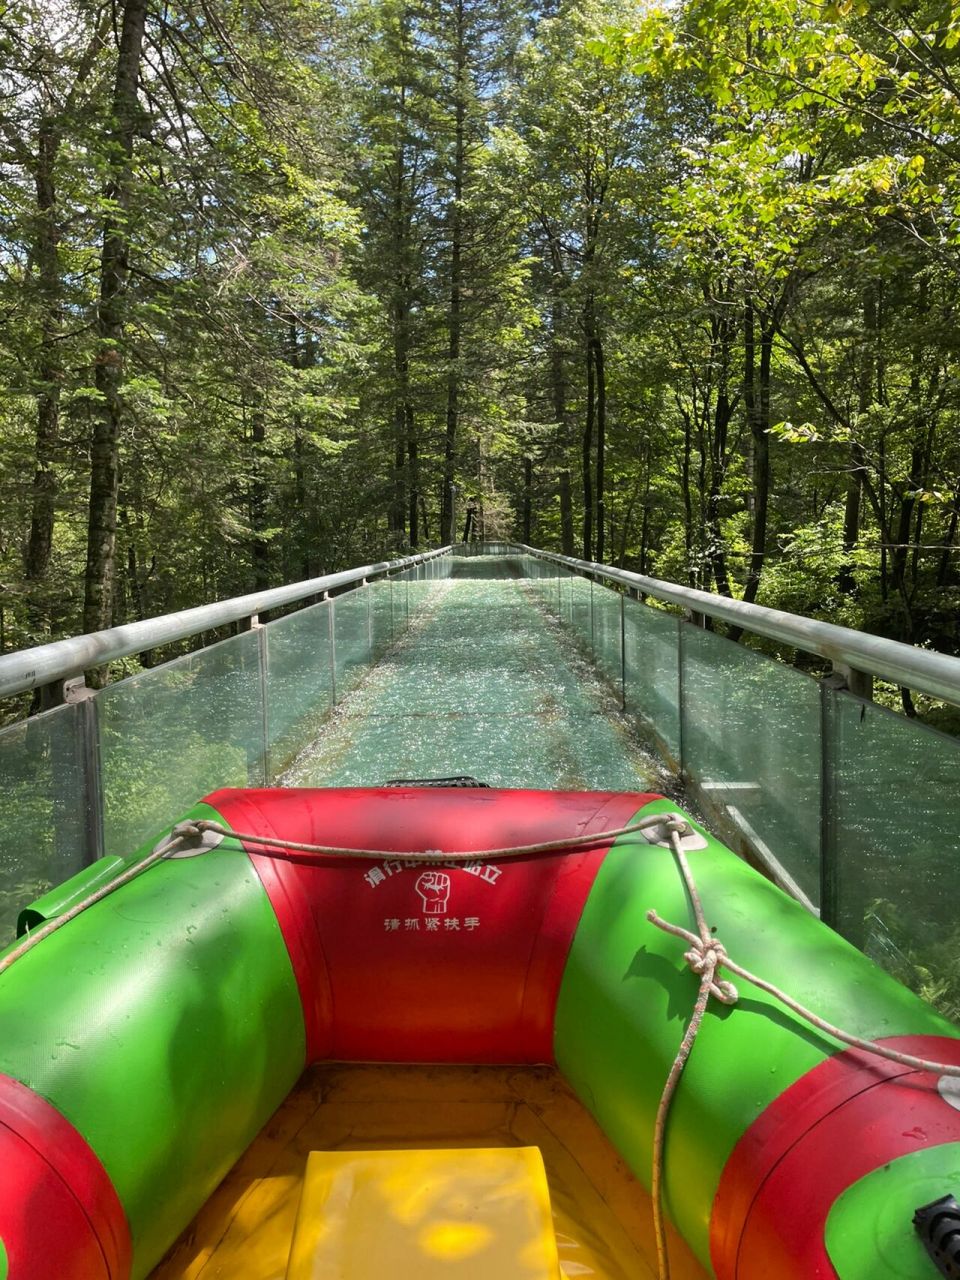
(64, 659)
(924, 670)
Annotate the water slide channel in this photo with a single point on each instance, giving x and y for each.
(482, 683)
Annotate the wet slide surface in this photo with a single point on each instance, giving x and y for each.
(482, 683)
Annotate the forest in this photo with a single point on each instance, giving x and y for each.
(292, 285)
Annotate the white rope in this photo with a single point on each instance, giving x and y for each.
(706, 957)
(567, 845)
(184, 832)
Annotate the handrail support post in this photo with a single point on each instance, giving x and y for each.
(841, 679)
(332, 636)
(263, 662)
(622, 654)
(859, 683)
(830, 685)
(75, 691)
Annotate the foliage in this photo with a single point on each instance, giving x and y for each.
(671, 285)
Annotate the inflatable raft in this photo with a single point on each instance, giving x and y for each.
(147, 1043)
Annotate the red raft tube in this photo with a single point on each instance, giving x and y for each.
(145, 1044)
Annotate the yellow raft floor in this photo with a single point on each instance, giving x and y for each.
(601, 1213)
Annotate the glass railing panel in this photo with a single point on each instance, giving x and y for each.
(651, 662)
(606, 633)
(354, 638)
(402, 595)
(565, 593)
(551, 581)
(550, 586)
(544, 587)
(751, 744)
(418, 588)
(893, 826)
(581, 610)
(381, 612)
(298, 682)
(172, 734)
(536, 579)
(43, 809)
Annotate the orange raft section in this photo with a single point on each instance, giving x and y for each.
(601, 1213)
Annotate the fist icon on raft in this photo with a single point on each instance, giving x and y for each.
(434, 890)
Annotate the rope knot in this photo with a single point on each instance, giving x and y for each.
(708, 957)
(705, 955)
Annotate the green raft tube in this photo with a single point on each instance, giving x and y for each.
(498, 939)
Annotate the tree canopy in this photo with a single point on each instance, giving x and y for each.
(289, 285)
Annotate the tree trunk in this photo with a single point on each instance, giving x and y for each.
(598, 361)
(413, 455)
(402, 409)
(558, 388)
(49, 364)
(566, 513)
(111, 316)
(49, 375)
(424, 518)
(300, 500)
(301, 357)
(644, 527)
(721, 341)
(454, 319)
(259, 549)
(884, 526)
(588, 458)
(944, 573)
(881, 482)
(527, 488)
(855, 475)
(917, 479)
(687, 496)
(757, 403)
(397, 513)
